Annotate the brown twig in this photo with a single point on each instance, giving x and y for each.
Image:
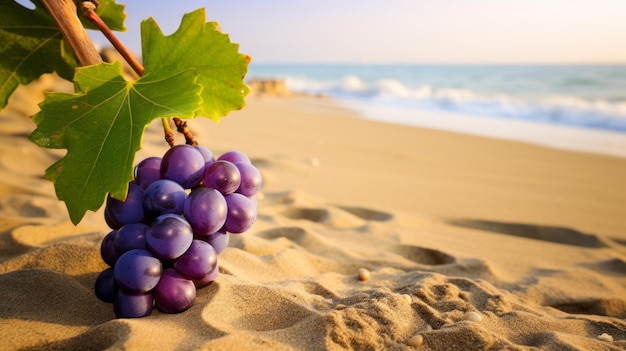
(181, 127)
(88, 8)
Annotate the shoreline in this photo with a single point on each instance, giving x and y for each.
(570, 138)
(554, 135)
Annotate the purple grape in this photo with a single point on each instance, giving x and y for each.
(234, 157)
(105, 286)
(250, 179)
(169, 236)
(148, 171)
(133, 305)
(223, 176)
(207, 279)
(207, 155)
(117, 213)
(164, 196)
(137, 271)
(183, 164)
(241, 213)
(197, 261)
(205, 210)
(107, 248)
(130, 236)
(174, 293)
(218, 240)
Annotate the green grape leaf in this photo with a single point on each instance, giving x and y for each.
(101, 125)
(111, 13)
(31, 45)
(203, 47)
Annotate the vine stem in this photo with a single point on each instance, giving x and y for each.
(88, 11)
(64, 14)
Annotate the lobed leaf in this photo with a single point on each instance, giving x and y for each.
(202, 47)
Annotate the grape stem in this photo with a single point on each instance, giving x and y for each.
(169, 135)
(87, 8)
(181, 127)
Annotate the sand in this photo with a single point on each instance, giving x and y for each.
(369, 236)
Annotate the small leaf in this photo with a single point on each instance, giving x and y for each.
(30, 45)
(111, 13)
(102, 125)
(201, 46)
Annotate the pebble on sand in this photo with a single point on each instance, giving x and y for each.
(605, 337)
(472, 317)
(415, 341)
(363, 274)
(341, 307)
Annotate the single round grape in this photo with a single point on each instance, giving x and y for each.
(148, 171)
(207, 155)
(174, 293)
(169, 236)
(241, 213)
(207, 279)
(118, 213)
(197, 261)
(183, 164)
(164, 196)
(234, 157)
(133, 305)
(218, 240)
(107, 248)
(138, 271)
(223, 176)
(250, 179)
(205, 210)
(130, 236)
(105, 286)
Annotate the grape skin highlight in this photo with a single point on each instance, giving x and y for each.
(169, 236)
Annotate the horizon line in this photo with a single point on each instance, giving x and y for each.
(439, 63)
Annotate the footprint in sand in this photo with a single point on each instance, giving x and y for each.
(422, 255)
(612, 267)
(367, 213)
(560, 235)
(310, 214)
(609, 307)
(340, 217)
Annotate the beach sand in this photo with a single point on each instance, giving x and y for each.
(470, 243)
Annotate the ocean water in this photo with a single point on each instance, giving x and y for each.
(472, 98)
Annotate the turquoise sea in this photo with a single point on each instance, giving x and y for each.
(583, 96)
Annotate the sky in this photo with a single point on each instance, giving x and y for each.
(404, 31)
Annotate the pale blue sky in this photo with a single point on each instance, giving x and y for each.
(422, 31)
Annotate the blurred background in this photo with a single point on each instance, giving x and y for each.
(551, 72)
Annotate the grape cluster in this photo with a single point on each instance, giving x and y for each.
(176, 219)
